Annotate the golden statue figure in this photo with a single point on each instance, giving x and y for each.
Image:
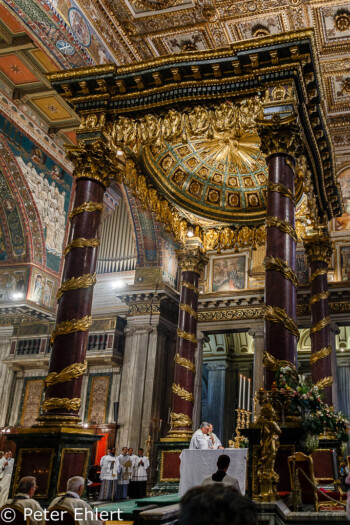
(269, 442)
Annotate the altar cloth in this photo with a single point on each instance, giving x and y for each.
(198, 464)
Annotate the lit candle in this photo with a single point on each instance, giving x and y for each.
(243, 393)
(240, 391)
(248, 400)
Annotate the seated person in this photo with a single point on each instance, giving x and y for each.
(72, 502)
(24, 500)
(221, 476)
(216, 504)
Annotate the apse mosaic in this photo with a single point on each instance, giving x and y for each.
(216, 178)
(13, 281)
(11, 222)
(50, 187)
(42, 288)
(169, 262)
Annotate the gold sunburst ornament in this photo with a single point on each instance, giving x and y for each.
(232, 148)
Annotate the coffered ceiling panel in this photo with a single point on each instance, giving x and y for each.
(16, 70)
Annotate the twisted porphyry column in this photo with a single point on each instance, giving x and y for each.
(280, 142)
(319, 251)
(73, 320)
(191, 262)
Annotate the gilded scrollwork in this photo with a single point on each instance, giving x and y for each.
(280, 136)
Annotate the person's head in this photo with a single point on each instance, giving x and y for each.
(76, 484)
(130, 451)
(223, 462)
(210, 428)
(108, 451)
(27, 485)
(140, 452)
(205, 427)
(216, 504)
(8, 454)
(124, 450)
(112, 451)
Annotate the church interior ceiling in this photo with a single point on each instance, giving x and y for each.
(38, 37)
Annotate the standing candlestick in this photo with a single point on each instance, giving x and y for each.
(243, 396)
(240, 391)
(248, 396)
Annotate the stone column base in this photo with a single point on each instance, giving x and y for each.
(52, 456)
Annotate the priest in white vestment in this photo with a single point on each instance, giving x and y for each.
(71, 501)
(125, 464)
(109, 476)
(214, 438)
(200, 439)
(24, 500)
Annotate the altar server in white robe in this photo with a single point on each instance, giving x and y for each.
(214, 438)
(104, 457)
(139, 475)
(200, 439)
(109, 476)
(124, 474)
(6, 468)
(131, 488)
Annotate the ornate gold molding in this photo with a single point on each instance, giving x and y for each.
(86, 206)
(181, 392)
(282, 189)
(75, 283)
(190, 286)
(192, 259)
(69, 327)
(318, 248)
(319, 297)
(54, 403)
(320, 354)
(278, 265)
(67, 374)
(283, 226)
(187, 336)
(280, 136)
(323, 383)
(320, 325)
(317, 273)
(187, 308)
(94, 161)
(81, 242)
(186, 363)
(180, 420)
(279, 315)
(269, 361)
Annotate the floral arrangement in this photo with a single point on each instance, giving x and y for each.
(306, 398)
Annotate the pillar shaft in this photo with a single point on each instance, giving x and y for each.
(73, 318)
(319, 251)
(279, 140)
(191, 263)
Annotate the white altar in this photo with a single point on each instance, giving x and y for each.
(198, 464)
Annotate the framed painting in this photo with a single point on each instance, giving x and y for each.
(229, 273)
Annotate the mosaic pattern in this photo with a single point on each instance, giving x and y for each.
(203, 179)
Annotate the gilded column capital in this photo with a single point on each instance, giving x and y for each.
(192, 259)
(318, 248)
(93, 161)
(280, 136)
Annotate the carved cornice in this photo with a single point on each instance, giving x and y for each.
(318, 248)
(280, 136)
